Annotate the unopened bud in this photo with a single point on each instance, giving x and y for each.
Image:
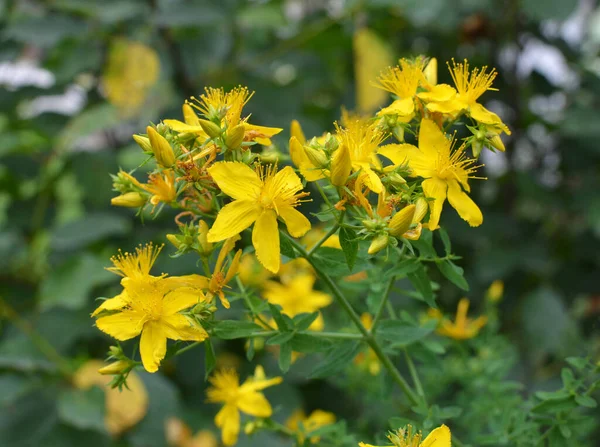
(211, 129)
(399, 133)
(235, 137)
(174, 239)
(477, 146)
(144, 143)
(495, 292)
(431, 70)
(421, 209)
(379, 243)
(396, 179)
(117, 367)
(341, 166)
(496, 142)
(400, 223)
(189, 116)
(129, 200)
(249, 428)
(316, 157)
(205, 246)
(296, 131)
(163, 152)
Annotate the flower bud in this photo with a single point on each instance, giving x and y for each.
(400, 223)
(496, 142)
(205, 246)
(379, 243)
(431, 70)
(250, 427)
(129, 200)
(144, 143)
(316, 157)
(162, 149)
(296, 131)
(495, 291)
(211, 129)
(396, 179)
(477, 146)
(117, 367)
(235, 137)
(174, 239)
(341, 166)
(421, 209)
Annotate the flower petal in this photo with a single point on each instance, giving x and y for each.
(440, 437)
(483, 115)
(297, 224)
(436, 189)
(296, 131)
(297, 153)
(265, 238)
(464, 205)
(195, 281)
(179, 126)
(370, 178)
(447, 107)
(402, 107)
(432, 140)
(153, 346)
(115, 303)
(228, 420)
(236, 179)
(255, 404)
(438, 93)
(181, 298)
(178, 327)
(233, 218)
(122, 326)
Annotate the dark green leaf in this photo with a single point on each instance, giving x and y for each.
(282, 337)
(586, 401)
(309, 343)
(336, 359)
(279, 318)
(83, 409)
(402, 334)
(402, 268)
(454, 273)
(286, 247)
(445, 240)
(303, 321)
(422, 285)
(210, 359)
(349, 245)
(285, 356)
(230, 329)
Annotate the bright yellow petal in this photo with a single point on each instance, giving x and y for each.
(173, 282)
(296, 223)
(296, 132)
(312, 174)
(297, 153)
(436, 189)
(419, 163)
(464, 205)
(447, 107)
(287, 178)
(258, 383)
(438, 93)
(153, 346)
(440, 437)
(370, 178)
(122, 326)
(262, 130)
(181, 298)
(178, 327)
(115, 303)
(255, 404)
(179, 126)
(483, 115)
(233, 218)
(265, 238)
(402, 107)
(432, 140)
(236, 179)
(228, 420)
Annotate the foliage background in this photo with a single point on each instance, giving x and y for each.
(61, 137)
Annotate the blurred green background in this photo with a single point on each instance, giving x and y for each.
(78, 78)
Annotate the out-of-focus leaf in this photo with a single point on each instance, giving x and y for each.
(402, 334)
(261, 16)
(372, 55)
(30, 418)
(69, 285)
(83, 409)
(548, 9)
(100, 117)
(91, 228)
(108, 11)
(45, 32)
(189, 14)
(231, 329)
(454, 273)
(336, 359)
(422, 285)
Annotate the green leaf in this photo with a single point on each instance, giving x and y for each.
(83, 409)
(94, 119)
(231, 329)
(336, 359)
(403, 334)
(210, 360)
(279, 318)
(402, 268)
(422, 285)
(454, 273)
(286, 247)
(568, 379)
(425, 244)
(586, 401)
(548, 9)
(309, 343)
(303, 321)
(331, 261)
(92, 228)
(69, 286)
(579, 363)
(282, 337)
(349, 245)
(445, 240)
(285, 356)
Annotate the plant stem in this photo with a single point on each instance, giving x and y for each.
(342, 335)
(368, 337)
(324, 239)
(415, 376)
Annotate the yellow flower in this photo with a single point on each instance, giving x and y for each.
(303, 425)
(462, 328)
(260, 197)
(439, 437)
(495, 291)
(362, 140)
(297, 296)
(129, 200)
(311, 238)
(162, 187)
(190, 125)
(251, 272)
(150, 306)
(306, 167)
(220, 278)
(180, 435)
(446, 172)
(125, 407)
(470, 84)
(403, 81)
(246, 398)
(368, 359)
(215, 103)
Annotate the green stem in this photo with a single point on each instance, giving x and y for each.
(384, 302)
(368, 337)
(324, 238)
(415, 376)
(341, 335)
(323, 195)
